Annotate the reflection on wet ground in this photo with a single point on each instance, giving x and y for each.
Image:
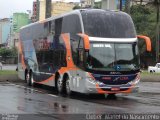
(20, 99)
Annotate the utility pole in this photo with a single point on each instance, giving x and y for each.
(37, 10)
(127, 6)
(120, 7)
(48, 8)
(92, 3)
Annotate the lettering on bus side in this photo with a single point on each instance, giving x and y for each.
(110, 78)
(43, 45)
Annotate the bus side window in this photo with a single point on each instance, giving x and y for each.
(58, 26)
(52, 27)
(63, 58)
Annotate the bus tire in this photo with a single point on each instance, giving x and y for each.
(26, 75)
(67, 87)
(31, 79)
(28, 78)
(59, 85)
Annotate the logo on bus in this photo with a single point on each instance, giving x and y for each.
(124, 78)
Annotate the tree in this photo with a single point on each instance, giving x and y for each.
(144, 18)
(127, 6)
(76, 7)
(98, 5)
(5, 52)
(156, 4)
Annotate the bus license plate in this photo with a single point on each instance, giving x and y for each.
(115, 89)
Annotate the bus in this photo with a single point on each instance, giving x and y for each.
(90, 51)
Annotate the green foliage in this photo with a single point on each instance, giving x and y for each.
(76, 7)
(14, 52)
(6, 52)
(8, 72)
(97, 5)
(144, 18)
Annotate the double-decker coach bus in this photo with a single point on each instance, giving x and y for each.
(86, 51)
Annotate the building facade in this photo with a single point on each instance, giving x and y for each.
(86, 3)
(61, 7)
(42, 9)
(56, 8)
(19, 20)
(35, 10)
(5, 30)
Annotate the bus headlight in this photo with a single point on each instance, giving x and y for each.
(135, 81)
(90, 80)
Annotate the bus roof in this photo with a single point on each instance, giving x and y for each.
(78, 11)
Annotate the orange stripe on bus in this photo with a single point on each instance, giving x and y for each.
(86, 40)
(100, 91)
(22, 56)
(69, 59)
(147, 40)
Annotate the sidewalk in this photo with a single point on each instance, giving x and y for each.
(9, 67)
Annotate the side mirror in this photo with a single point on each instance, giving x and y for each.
(147, 40)
(86, 41)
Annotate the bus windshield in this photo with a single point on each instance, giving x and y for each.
(113, 56)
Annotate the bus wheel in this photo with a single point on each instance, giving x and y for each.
(31, 80)
(59, 85)
(67, 86)
(28, 78)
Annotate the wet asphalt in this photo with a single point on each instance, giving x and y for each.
(43, 103)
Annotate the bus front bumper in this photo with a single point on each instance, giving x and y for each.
(97, 87)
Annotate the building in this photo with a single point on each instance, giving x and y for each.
(42, 9)
(35, 10)
(53, 8)
(5, 30)
(19, 20)
(143, 2)
(110, 4)
(86, 3)
(61, 7)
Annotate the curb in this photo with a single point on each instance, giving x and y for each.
(11, 77)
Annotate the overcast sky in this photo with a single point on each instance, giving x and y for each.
(8, 7)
